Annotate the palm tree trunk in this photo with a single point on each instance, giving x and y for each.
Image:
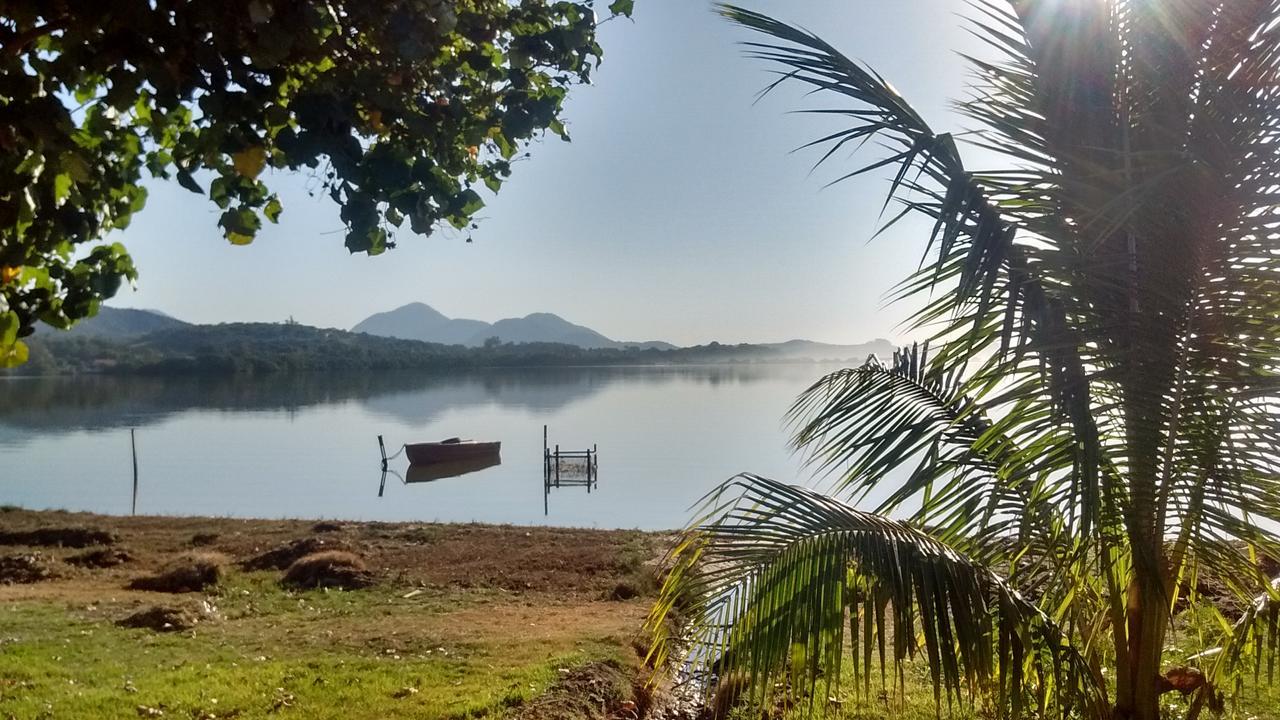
(1147, 621)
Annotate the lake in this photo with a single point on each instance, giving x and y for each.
(305, 445)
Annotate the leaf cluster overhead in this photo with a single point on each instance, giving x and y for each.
(398, 109)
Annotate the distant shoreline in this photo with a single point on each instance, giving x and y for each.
(263, 349)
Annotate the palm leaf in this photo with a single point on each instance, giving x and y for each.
(775, 576)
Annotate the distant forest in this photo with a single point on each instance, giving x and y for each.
(255, 348)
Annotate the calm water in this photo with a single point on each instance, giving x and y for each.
(304, 445)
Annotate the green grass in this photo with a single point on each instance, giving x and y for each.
(1256, 699)
(367, 654)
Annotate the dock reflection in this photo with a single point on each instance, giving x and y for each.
(583, 473)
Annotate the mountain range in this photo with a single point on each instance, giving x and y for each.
(419, 321)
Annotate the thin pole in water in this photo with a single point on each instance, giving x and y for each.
(382, 449)
(133, 444)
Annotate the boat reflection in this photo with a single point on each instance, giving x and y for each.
(438, 471)
(451, 468)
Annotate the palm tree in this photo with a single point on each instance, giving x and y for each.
(1098, 422)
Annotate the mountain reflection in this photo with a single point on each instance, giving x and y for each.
(100, 402)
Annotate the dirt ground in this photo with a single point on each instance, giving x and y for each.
(570, 562)
(530, 612)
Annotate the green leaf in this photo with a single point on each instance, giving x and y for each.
(9, 324)
(13, 355)
(61, 187)
(622, 7)
(240, 225)
(471, 202)
(273, 209)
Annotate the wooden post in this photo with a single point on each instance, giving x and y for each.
(382, 449)
(557, 464)
(133, 445)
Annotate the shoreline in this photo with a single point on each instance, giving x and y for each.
(6, 508)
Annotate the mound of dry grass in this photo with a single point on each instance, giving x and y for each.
(24, 569)
(189, 572)
(603, 688)
(280, 558)
(101, 558)
(204, 538)
(161, 619)
(328, 569)
(71, 537)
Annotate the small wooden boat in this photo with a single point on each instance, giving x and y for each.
(451, 449)
(450, 468)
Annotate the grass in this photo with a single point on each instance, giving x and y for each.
(1255, 699)
(315, 654)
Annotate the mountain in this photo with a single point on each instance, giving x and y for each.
(545, 327)
(810, 350)
(418, 321)
(121, 324)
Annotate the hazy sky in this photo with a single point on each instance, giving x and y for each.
(677, 212)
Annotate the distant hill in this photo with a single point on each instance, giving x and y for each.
(236, 348)
(545, 327)
(142, 341)
(810, 350)
(120, 324)
(419, 321)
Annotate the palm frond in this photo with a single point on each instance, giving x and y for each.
(776, 578)
(997, 300)
(1252, 644)
(975, 484)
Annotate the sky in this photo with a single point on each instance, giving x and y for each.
(678, 212)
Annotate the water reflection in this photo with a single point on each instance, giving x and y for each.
(303, 445)
(574, 472)
(99, 402)
(438, 471)
(452, 468)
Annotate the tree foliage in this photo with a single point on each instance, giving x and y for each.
(398, 109)
(1097, 421)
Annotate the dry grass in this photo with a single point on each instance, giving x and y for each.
(100, 558)
(284, 556)
(71, 537)
(163, 618)
(328, 569)
(565, 562)
(189, 572)
(24, 569)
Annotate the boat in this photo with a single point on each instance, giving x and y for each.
(452, 449)
(450, 468)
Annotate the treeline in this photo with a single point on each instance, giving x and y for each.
(257, 348)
